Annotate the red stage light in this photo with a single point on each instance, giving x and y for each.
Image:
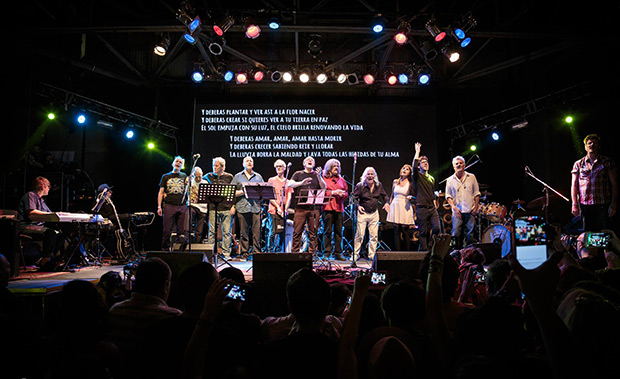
(369, 79)
(392, 79)
(252, 31)
(258, 76)
(440, 36)
(218, 30)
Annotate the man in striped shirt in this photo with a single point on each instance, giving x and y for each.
(594, 187)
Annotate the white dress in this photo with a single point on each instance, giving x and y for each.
(401, 210)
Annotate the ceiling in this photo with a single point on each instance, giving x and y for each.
(522, 50)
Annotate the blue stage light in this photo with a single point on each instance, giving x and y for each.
(424, 78)
(129, 134)
(403, 78)
(81, 119)
(228, 76)
(465, 42)
(495, 136)
(459, 33)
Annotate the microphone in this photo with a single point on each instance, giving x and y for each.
(196, 156)
(479, 159)
(355, 157)
(289, 164)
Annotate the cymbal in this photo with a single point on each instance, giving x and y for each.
(518, 201)
(539, 202)
(486, 193)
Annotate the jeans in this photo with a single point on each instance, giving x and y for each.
(428, 221)
(467, 222)
(249, 222)
(174, 215)
(332, 218)
(370, 220)
(224, 223)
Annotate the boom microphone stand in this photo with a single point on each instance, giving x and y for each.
(546, 191)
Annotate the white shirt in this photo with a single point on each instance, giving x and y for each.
(463, 192)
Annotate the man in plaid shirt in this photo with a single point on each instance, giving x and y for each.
(594, 188)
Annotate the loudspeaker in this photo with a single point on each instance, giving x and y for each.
(278, 267)
(492, 251)
(9, 242)
(178, 262)
(399, 264)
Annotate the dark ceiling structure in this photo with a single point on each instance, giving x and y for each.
(519, 50)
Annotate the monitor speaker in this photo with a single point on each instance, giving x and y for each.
(399, 264)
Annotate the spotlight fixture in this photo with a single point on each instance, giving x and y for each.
(352, 78)
(390, 78)
(378, 23)
(274, 23)
(465, 25)
(216, 47)
(223, 26)
(161, 45)
(341, 78)
(129, 134)
(228, 76)
(451, 53)
(287, 77)
(403, 78)
(194, 25)
(495, 136)
(424, 76)
(433, 29)
(403, 30)
(429, 51)
(190, 38)
(252, 31)
(321, 78)
(304, 77)
(257, 74)
(314, 45)
(198, 73)
(369, 79)
(241, 77)
(276, 76)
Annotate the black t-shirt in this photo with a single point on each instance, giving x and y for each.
(174, 187)
(424, 187)
(301, 192)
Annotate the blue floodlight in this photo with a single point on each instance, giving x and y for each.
(403, 78)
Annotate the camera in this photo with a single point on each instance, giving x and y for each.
(237, 292)
(597, 239)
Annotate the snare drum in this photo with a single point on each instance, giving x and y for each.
(500, 235)
(494, 212)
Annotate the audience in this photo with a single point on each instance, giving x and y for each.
(558, 320)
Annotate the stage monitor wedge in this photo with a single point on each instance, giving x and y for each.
(399, 264)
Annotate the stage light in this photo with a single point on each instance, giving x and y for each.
(257, 74)
(276, 76)
(460, 32)
(241, 77)
(81, 118)
(433, 30)
(51, 116)
(314, 45)
(198, 73)
(252, 31)
(194, 25)
(287, 77)
(189, 38)
(403, 78)
(369, 79)
(150, 145)
(495, 136)
(378, 23)
(352, 78)
(466, 42)
(321, 78)
(342, 78)
(424, 78)
(473, 147)
(161, 45)
(401, 36)
(130, 134)
(274, 23)
(223, 26)
(392, 79)
(568, 119)
(429, 51)
(451, 52)
(228, 76)
(216, 47)
(304, 77)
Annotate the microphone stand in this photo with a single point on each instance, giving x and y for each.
(187, 198)
(283, 204)
(546, 191)
(466, 167)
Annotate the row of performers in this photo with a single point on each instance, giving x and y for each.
(414, 187)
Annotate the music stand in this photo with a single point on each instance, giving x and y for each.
(260, 191)
(314, 197)
(216, 194)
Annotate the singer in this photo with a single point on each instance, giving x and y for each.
(306, 215)
(463, 195)
(224, 211)
(333, 211)
(170, 204)
(278, 206)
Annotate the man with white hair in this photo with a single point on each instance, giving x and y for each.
(463, 195)
(369, 196)
(198, 211)
(248, 210)
(225, 211)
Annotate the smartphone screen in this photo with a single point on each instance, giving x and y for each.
(597, 239)
(531, 241)
(236, 293)
(378, 278)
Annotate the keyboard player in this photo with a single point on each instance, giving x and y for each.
(32, 203)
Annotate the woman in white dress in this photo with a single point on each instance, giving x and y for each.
(401, 209)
